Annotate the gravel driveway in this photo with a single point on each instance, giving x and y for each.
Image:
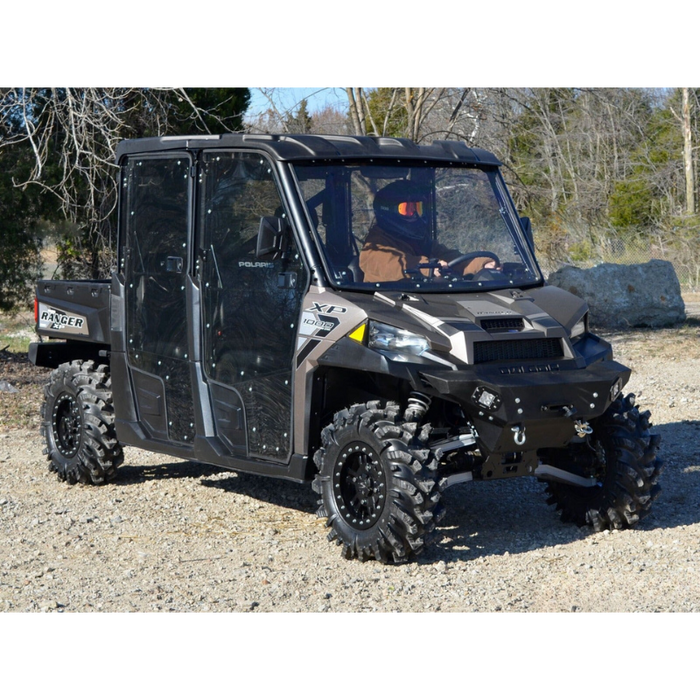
(171, 535)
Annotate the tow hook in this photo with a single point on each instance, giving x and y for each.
(519, 436)
(582, 428)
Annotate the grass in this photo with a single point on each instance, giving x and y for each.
(16, 332)
(677, 343)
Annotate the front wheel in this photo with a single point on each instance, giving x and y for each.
(377, 482)
(78, 424)
(627, 469)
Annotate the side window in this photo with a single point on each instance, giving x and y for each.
(155, 223)
(251, 306)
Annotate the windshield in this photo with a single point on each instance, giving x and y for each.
(418, 227)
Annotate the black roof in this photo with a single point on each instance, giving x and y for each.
(290, 147)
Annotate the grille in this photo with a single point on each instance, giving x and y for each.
(502, 324)
(499, 350)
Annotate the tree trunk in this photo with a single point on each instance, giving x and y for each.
(357, 110)
(688, 155)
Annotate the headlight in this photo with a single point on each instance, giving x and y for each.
(395, 340)
(580, 328)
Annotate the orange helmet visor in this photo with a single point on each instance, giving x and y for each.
(411, 208)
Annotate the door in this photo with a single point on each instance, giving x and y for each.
(250, 307)
(156, 225)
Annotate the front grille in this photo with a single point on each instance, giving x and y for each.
(506, 350)
(502, 324)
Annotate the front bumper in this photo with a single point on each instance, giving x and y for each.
(533, 408)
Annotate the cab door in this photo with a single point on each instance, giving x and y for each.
(250, 307)
(156, 225)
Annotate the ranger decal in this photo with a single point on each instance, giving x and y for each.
(55, 319)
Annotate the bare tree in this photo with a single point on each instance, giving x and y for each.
(358, 110)
(688, 154)
(416, 104)
(330, 120)
(73, 134)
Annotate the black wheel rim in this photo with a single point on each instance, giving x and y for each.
(359, 485)
(67, 423)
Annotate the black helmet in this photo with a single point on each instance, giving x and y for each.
(401, 208)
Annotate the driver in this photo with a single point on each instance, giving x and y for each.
(400, 239)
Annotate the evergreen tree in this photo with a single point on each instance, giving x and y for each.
(300, 122)
(653, 189)
(388, 112)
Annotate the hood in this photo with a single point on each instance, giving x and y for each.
(501, 325)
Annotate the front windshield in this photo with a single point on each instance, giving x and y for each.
(418, 227)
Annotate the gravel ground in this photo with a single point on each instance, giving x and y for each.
(171, 535)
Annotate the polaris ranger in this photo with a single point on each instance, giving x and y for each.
(264, 317)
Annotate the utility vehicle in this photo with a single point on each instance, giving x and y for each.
(239, 329)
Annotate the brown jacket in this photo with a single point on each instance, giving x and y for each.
(384, 257)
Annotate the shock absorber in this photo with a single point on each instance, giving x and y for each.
(418, 405)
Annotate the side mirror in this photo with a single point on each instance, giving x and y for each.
(527, 229)
(271, 237)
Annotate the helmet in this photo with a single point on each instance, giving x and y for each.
(401, 208)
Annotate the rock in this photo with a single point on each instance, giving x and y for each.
(620, 296)
(6, 386)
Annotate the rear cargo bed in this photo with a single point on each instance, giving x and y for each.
(76, 312)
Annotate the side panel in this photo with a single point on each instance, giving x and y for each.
(326, 319)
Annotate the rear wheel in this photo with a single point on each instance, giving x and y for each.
(377, 482)
(627, 469)
(78, 424)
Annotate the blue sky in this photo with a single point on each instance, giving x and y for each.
(287, 99)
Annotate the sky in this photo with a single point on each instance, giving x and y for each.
(289, 98)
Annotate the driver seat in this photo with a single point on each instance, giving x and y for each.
(355, 269)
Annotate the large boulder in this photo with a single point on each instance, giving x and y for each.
(621, 296)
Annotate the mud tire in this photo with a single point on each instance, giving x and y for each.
(394, 502)
(629, 472)
(78, 424)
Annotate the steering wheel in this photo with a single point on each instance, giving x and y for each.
(473, 255)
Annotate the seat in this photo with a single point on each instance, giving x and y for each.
(356, 270)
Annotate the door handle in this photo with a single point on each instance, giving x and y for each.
(173, 264)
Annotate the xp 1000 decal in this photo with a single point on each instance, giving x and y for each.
(318, 321)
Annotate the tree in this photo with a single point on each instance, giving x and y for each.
(300, 122)
(651, 192)
(72, 134)
(210, 108)
(398, 112)
(19, 259)
(330, 120)
(583, 163)
(389, 119)
(287, 114)
(688, 154)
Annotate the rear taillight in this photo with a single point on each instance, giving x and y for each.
(36, 310)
